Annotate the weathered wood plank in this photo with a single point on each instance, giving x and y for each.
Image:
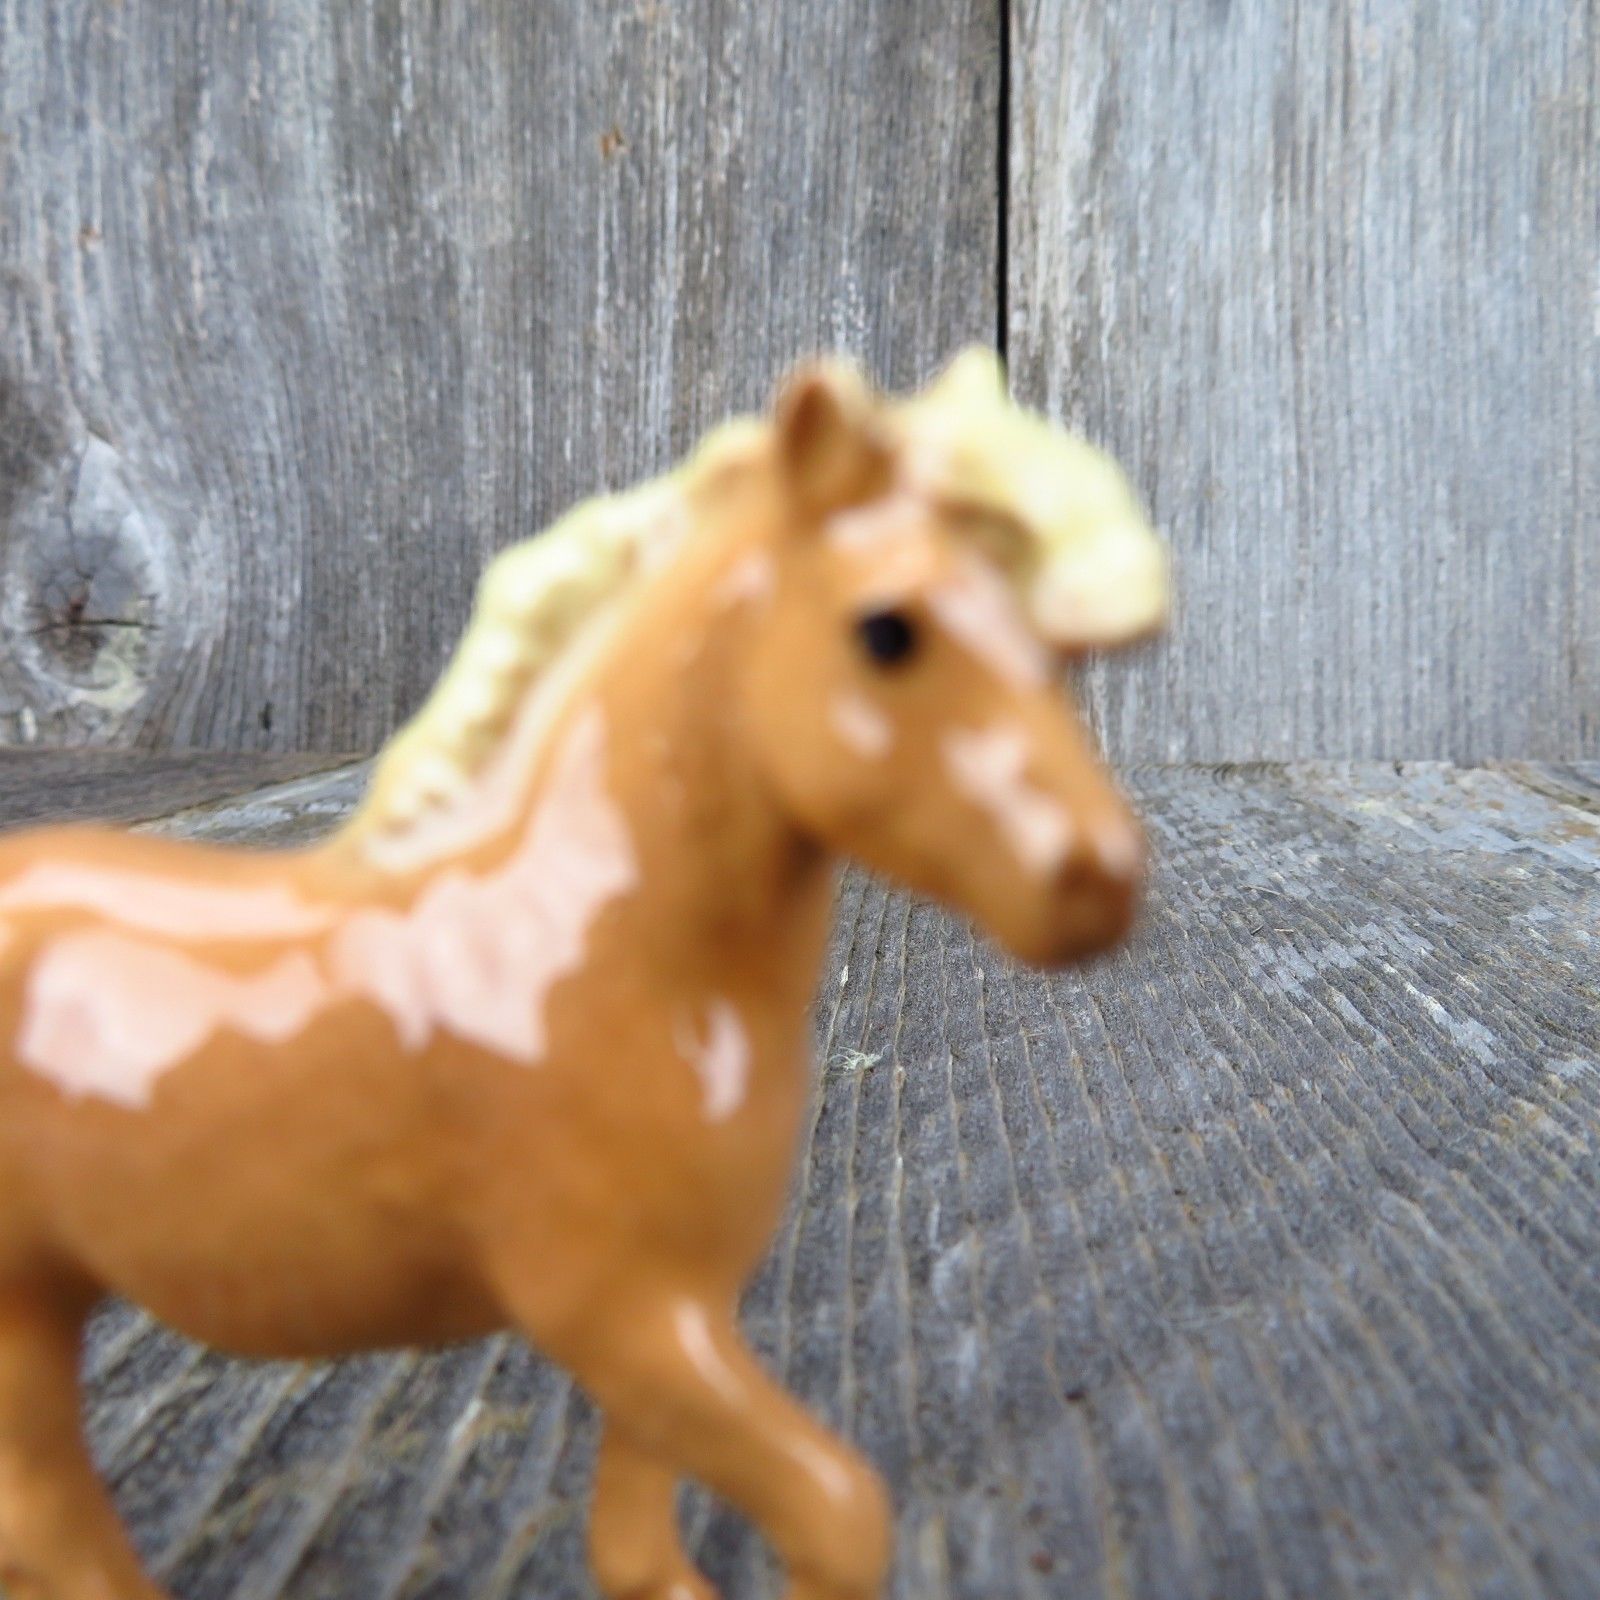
(307, 307)
(124, 786)
(1326, 275)
(1254, 1261)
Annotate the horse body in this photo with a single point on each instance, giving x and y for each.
(295, 1125)
(525, 1045)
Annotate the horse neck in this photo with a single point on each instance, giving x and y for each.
(627, 776)
(735, 880)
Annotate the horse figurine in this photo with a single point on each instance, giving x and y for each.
(524, 1044)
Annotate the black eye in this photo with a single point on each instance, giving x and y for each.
(889, 637)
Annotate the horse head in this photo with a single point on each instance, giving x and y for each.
(940, 561)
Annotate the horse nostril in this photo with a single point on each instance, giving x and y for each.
(1091, 912)
(1118, 851)
(1098, 886)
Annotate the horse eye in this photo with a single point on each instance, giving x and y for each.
(887, 636)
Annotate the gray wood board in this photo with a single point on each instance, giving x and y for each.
(1256, 1260)
(129, 786)
(307, 306)
(1325, 275)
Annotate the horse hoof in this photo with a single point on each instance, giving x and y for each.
(686, 1585)
(689, 1587)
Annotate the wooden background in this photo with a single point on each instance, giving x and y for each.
(306, 306)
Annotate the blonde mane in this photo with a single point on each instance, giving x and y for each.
(533, 603)
(1082, 554)
(1076, 545)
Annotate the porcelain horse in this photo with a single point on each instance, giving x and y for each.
(525, 1043)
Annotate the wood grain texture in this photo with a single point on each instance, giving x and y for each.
(1255, 1261)
(307, 306)
(1328, 276)
(130, 786)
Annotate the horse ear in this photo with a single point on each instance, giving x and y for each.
(829, 441)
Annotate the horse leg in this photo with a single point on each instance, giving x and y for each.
(60, 1538)
(633, 1527)
(675, 1372)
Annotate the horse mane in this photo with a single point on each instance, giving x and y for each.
(1062, 518)
(1059, 518)
(533, 603)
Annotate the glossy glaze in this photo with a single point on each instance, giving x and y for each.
(525, 1044)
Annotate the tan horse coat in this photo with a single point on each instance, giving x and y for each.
(537, 1059)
